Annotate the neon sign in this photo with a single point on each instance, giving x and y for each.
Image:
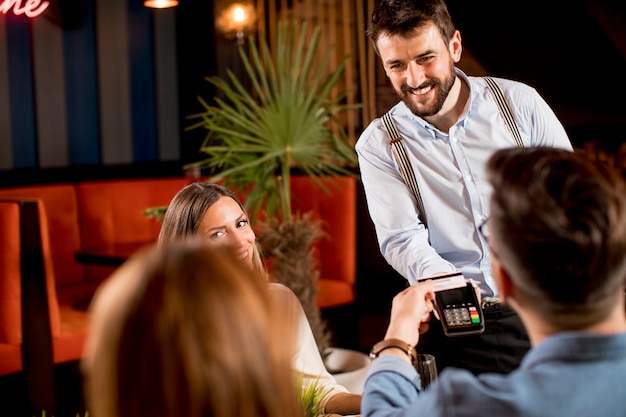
(31, 8)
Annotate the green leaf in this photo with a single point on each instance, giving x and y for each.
(311, 395)
(287, 118)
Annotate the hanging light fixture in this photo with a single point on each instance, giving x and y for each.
(160, 4)
(237, 21)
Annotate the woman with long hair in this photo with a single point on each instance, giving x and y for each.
(215, 214)
(185, 330)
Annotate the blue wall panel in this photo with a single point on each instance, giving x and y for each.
(166, 74)
(6, 144)
(49, 79)
(88, 93)
(141, 55)
(80, 81)
(21, 92)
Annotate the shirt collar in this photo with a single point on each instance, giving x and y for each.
(468, 106)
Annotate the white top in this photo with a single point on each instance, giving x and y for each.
(307, 360)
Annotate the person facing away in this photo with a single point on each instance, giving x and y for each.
(182, 331)
(557, 232)
(449, 124)
(215, 214)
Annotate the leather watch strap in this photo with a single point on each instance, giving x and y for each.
(394, 343)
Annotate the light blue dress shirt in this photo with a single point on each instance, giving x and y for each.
(568, 374)
(450, 171)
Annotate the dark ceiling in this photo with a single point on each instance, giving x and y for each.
(573, 52)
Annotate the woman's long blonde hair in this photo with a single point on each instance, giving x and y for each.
(182, 330)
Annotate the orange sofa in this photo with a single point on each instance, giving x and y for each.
(71, 217)
(98, 213)
(336, 208)
(95, 213)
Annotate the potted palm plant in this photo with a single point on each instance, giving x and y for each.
(286, 119)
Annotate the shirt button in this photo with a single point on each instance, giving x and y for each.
(468, 178)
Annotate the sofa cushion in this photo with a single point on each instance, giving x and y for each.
(69, 344)
(10, 359)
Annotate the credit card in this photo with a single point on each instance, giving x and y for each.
(446, 281)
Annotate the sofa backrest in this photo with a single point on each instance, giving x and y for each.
(335, 206)
(10, 292)
(62, 217)
(111, 213)
(111, 210)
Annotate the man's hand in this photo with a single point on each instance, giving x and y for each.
(410, 312)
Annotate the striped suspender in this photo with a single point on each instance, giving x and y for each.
(402, 159)
(399, 152)
(505, 110)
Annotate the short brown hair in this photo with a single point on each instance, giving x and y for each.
(558, 227)
(404, 17)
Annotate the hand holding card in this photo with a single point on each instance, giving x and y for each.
(457, 305)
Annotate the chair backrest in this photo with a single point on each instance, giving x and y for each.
(62, 219)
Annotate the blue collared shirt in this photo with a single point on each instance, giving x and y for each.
(568, 374)
(450, 171)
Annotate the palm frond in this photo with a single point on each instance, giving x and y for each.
(288, 117)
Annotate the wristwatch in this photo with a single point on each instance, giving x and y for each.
(394, 343)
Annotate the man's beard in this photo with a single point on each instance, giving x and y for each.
(442, 89)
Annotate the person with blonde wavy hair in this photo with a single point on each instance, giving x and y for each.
(185, 330)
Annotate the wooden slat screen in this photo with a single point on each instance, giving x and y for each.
(343, 25)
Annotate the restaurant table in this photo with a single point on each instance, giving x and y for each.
(109, 255)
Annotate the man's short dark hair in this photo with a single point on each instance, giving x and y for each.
(403, 17)
(558, 227)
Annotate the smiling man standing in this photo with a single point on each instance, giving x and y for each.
(444, 129)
